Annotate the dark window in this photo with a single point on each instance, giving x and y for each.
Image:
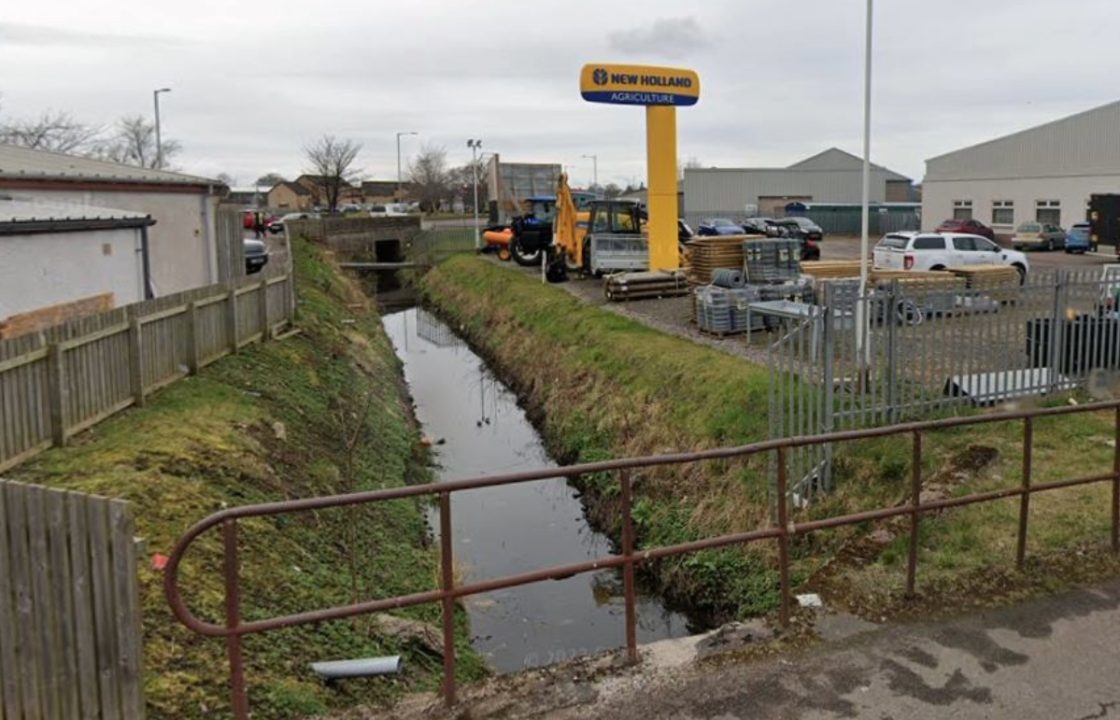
(929, 243)
(896, 242)
(963, 243)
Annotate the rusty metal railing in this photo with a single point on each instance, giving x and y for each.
(234, 628)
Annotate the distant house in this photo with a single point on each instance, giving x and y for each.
(59, 261)
(316, 185)
(379, 191)
(290, 196)
(183, 243)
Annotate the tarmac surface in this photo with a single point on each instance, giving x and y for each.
(1047, 659)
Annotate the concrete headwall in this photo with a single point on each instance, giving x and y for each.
(353, 235)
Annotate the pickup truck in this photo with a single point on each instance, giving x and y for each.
(938, 251)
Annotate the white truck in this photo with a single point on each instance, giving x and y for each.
(938, 251)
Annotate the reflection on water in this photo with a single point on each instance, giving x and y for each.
(518, 528)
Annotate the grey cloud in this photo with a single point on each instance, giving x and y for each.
(14, 34)
(669, 37)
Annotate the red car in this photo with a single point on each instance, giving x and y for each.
(968, 227)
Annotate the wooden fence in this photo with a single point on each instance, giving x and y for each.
(69, 606)
(72, 376)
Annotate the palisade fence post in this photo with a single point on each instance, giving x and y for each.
(58, 392)
(135, 359)
(894, 317)
(262, 307)
(231, 316)
(828, 381)
(1052, 331)
(193, 354)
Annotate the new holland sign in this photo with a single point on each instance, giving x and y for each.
(638, 85)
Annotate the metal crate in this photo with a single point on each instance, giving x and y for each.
(618, 252)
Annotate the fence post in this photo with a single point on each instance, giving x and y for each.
(1025, 500)
(194, 360)
(239, 699)
(628, 568)
(783, 539)
(447, 583)
(58, 389)
(136, 360)
(262, 306)
(1054, 331)
(892, 352)
(231, 317)
(828, 381)
(915, 514)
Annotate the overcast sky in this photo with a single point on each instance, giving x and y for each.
(252, 81)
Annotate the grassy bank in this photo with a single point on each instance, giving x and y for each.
(321, 412)
(599, 385)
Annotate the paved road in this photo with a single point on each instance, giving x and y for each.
(847, 248)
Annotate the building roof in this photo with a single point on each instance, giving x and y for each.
(295, 187)
(25, 163)
(836, 159)
(1086, 143)
(25, 214)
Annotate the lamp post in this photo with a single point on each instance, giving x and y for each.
(409, 132)
(475, 146)
(861, 307)
(159, 140)
(594, 169)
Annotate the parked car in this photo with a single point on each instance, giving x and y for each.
(256, 255)
(1040, 236)
(276, 224)
(388, 210)
(811, 230)
(967, 227)
(1079, 238)
(764, 226)
(719, 226)
(938, 251)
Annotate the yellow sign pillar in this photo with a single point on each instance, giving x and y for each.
(661, 90)
(661, 163)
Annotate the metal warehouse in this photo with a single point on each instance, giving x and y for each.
(1045, 174)
(832, 176)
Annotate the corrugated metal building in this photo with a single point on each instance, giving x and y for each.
(1045, 173)
(833, 176)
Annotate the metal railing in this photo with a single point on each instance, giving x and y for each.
(781, 530)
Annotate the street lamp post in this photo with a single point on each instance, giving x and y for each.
(865, 220)
(409, 132)
(475, 146)
(594, 169)
(159, 140)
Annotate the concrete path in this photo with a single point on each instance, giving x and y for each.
(1050, 659)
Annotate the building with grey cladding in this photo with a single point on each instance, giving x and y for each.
(832, 176)
(1045, 174)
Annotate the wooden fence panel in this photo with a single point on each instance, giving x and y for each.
(70, 643)
(69, 377)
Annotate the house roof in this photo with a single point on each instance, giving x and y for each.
(25, 163)
(25, 214)
(295, 187)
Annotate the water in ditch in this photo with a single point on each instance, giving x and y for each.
(479, 429)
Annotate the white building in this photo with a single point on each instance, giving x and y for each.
(1045, 173)
(183, 243)
(60, 260)
(832, 176)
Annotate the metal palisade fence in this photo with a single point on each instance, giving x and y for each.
(935, 345)
(56, 383)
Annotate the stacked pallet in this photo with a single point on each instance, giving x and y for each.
(1001, 282)
(644, 285)
(831, 269)
(709, 253)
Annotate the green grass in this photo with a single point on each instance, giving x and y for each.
(600, 385)
(318, 413)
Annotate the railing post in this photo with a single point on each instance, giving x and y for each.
(1116, 485)
(231, 317)
(136, 360)
(239, 700)
(58, 389)
(783, 538)
(194, 358)
(628, 568)
(1025, 500)
(262, 307)
(915, 513)
(447, 572)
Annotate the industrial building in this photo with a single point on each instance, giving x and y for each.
(832, 176)
(1046, 174)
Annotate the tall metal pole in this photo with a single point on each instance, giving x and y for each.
(594, 169)
(865, 220)
(410, 132)
(475, 146)
(159, 140)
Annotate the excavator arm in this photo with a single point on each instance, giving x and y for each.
(566, 240)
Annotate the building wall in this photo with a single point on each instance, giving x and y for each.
(50, 268)
(182, 248)
(282, 197)
(1072, 192)
(723, 191)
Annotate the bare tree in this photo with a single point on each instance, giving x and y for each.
(270, 180)
(331, 162)
(134, 143)
(53, 130)
(461, 183)
(430, 178)
(226, 179)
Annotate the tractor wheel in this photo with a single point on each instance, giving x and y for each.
(522, 257)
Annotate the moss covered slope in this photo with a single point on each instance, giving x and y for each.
(317, 413)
